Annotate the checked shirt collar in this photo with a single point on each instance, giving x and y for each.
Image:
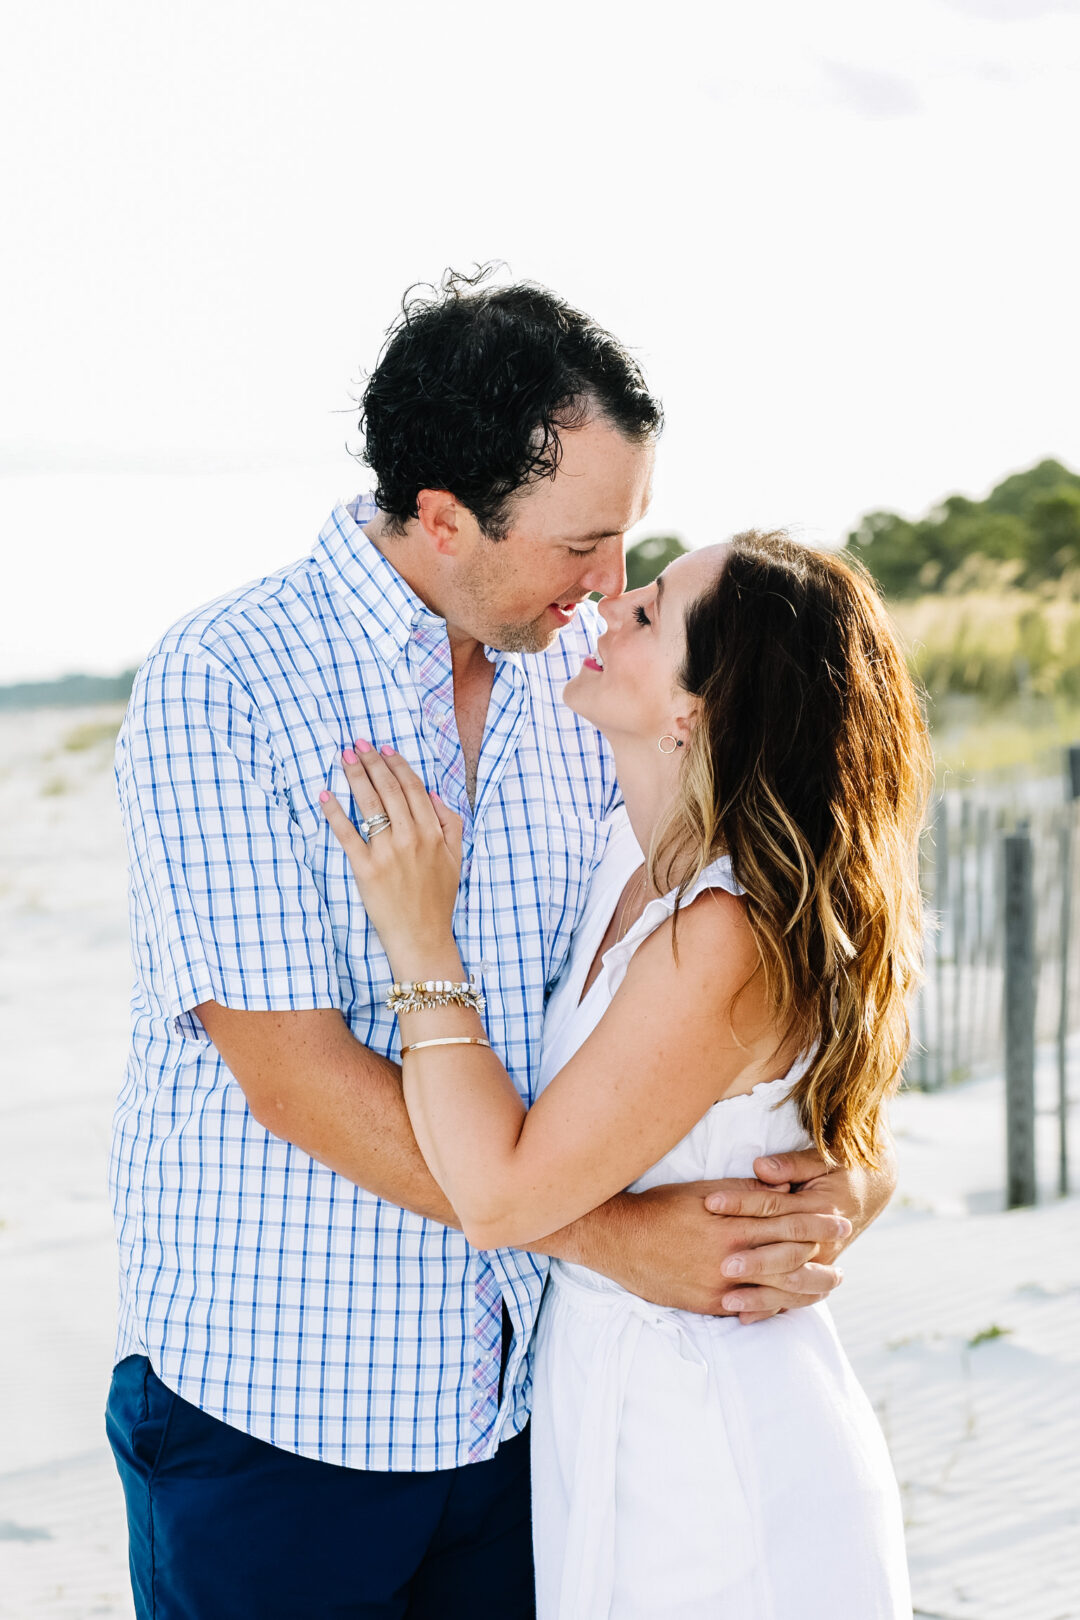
(390, 610)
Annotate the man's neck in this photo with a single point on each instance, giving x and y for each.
(412, 561)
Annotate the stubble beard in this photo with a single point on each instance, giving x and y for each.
(532, 636)
(524, 638)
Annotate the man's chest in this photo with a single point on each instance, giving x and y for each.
(533, 833)
(472, 701)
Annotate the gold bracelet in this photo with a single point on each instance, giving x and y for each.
(446, 1040)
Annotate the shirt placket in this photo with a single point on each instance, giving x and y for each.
(507, 711)
(432, 674)
(433, 679)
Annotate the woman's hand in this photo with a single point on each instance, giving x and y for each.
(408, 873)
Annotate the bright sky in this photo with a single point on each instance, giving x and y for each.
(838, 235)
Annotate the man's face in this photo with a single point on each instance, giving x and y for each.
(566, 540)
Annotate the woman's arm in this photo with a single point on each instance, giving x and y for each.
(664, 1051)
(662, 1054)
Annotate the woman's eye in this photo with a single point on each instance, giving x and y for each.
(641, 616)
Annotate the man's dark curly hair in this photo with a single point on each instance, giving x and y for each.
(473, 387)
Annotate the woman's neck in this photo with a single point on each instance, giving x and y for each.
(649, 782)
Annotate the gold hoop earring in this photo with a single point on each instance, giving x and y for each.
(668, 738)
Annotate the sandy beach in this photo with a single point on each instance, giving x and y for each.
(962, 1320)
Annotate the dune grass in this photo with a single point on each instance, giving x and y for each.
(1002, 675)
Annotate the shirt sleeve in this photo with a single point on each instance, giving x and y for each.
(224, 904)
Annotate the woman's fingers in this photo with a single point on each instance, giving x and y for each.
(449, 821)
(381, 780)
(369, 775)
(365, 796)
(416, 794)
(343, 829)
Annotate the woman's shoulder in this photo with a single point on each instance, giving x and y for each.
(706, 942)
(699, 970)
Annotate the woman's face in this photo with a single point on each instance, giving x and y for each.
(631, 689)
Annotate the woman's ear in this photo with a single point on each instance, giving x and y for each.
(684, 723)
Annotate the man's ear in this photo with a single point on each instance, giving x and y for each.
(440, 516)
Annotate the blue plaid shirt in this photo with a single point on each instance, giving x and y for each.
(262, 1286)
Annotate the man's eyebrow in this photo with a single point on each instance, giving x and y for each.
(585, 539)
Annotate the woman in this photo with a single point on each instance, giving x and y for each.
(739, 990)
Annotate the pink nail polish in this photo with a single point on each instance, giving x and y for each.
(348, 756)
(362, 747)
(323, 797)
(386, 749)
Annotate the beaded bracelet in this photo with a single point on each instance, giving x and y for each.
(415, 996)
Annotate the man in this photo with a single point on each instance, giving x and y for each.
(321, 1393)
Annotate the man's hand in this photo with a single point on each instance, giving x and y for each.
(788, 1185)
(666, 1246)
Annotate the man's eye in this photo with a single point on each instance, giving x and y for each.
(574, 551)
(641, 616)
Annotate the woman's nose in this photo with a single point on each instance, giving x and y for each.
(607, 612)
(610, 609)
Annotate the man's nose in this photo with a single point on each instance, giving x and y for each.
(608, 571)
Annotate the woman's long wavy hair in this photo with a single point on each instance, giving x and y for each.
(811, 767)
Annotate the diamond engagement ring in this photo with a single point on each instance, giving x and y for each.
(372, 825)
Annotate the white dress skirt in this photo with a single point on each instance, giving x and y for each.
(687, 1466)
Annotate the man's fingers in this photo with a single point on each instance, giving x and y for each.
(766, 1299)
(798, 1226)
(814, 1278)
(773, 1259)
(756, 1201)
(805, 1165)
(736, 1185)
(803, 1286)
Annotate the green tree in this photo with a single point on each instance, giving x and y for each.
(650, 557)
(896, 553)
(1026, 531)
(1018, 493)
(1055, 526)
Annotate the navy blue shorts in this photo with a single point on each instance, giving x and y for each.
(222, 1526)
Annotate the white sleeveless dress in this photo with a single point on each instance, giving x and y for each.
(687, 1467)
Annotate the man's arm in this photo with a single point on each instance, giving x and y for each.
(667, 1247)
(789, 1184)
(309, 1081)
